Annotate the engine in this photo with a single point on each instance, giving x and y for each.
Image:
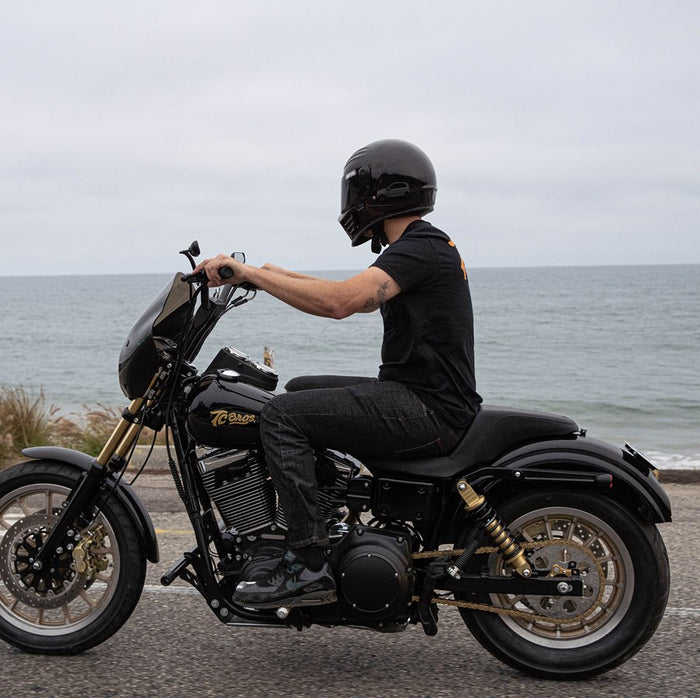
(372, 566)
(374, 574)
(238, 483)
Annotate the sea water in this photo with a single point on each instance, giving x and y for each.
(615, 348)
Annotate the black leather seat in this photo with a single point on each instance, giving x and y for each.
(494, 431)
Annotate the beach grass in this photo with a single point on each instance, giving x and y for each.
(27, 420)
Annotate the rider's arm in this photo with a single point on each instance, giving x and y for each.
(336, 299)
(367, 308)
(286, 272)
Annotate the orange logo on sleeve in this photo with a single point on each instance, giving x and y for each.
(464, 266)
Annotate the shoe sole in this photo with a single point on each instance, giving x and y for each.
(318, 598)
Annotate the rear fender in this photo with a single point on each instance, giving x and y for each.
(583, 462)
(126, 495)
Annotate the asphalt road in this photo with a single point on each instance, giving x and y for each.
(173, 645)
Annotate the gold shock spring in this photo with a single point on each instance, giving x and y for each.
(513, 554)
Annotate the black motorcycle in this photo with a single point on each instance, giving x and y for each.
(544, 539)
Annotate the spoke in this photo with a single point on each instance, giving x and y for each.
(613, 583)
(605, 558)
(40, 618)
(27, 511)
(526, 536)
(548, 528)
(66, 613)
(87, 599)
(601, 606)
(4, 523)
(49, 502)
(514, 600)
(592, 540)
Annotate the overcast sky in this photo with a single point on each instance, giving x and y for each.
(562, 132)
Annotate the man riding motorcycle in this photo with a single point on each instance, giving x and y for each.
(424, 397)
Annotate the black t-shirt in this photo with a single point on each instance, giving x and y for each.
(429, 327)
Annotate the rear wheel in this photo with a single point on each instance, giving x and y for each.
(624, 568)
(84, 594)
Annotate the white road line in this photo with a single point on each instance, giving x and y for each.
(157, 589)
(671, 611)
(683, 612)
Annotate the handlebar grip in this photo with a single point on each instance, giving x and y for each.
(225, 272)
(199, 276)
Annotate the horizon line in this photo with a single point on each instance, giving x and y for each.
(356, 269)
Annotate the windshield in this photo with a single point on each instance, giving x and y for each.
(164, 317)
(167, 317)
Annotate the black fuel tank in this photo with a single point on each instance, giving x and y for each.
(224, 411)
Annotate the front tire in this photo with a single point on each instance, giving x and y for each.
(624, 567)
(86, 594)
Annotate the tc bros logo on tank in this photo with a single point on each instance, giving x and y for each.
(225, 418)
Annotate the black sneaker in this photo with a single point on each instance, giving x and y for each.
(289, 584)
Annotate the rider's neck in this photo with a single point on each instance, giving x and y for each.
(394, 228)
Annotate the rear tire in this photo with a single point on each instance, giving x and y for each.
(625, 570)
(63, 611)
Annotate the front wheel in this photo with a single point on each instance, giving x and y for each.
(85, 594)
(624, 567)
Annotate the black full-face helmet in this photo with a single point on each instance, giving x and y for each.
(385, 179)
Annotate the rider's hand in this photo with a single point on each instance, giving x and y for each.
(213, 265)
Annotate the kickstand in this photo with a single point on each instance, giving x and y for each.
(427, 611)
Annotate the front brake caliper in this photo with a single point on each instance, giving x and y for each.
(89, 554)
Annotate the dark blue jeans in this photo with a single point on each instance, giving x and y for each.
(360, 416)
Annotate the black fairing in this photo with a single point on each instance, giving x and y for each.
(164, 317)
(226, 413)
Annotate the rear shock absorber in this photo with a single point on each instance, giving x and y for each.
(477, 506)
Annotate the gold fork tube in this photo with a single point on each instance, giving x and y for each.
(123, 426)
(126, 430)
(127, 442)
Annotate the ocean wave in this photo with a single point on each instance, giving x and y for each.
(674, 461)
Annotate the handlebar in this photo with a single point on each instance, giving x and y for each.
(224, 272)
(201, 276)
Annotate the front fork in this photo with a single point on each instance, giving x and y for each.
(75, 515)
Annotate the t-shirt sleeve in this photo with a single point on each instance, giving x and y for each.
(409, 262)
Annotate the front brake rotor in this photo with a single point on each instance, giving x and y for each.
(52, 587)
